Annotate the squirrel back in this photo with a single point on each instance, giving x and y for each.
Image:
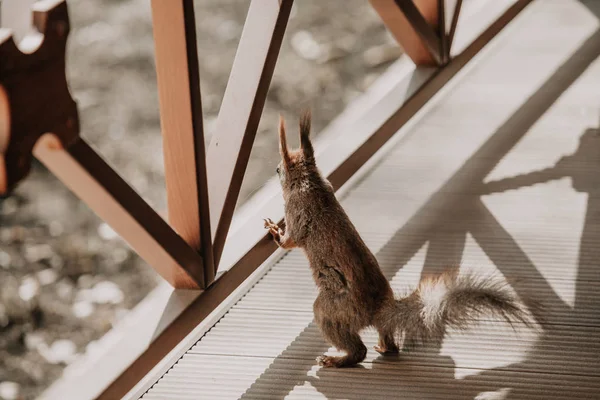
(317, 222)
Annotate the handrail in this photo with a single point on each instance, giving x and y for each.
(181, 126)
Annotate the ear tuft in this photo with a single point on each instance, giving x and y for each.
(283, 149)
(305, 143)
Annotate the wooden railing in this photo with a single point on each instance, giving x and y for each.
(38, 117)
(202, 186)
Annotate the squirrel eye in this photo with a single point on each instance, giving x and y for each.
(277, 170)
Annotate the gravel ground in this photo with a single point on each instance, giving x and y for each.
(65, 278)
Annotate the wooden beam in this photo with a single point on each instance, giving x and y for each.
(412, 25)
(242, 106)
(427, 33)
(181, 124)
(88, 176)
(454, 24)
(444, 49)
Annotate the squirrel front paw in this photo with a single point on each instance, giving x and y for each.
(274, 229)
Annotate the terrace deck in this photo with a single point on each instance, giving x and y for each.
(501, 171)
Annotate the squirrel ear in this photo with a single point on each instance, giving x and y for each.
(283, 149)
(305, 143)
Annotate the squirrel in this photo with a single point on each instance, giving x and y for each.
(353, 291)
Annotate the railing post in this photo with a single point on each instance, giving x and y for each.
(181, 124)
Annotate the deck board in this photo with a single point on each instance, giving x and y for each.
(502, 174)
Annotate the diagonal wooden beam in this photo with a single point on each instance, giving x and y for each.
(444, 48)
(454, 24)
(421, 26)
(80, 168)
(242, 106)
(412, 23)
(181, 123)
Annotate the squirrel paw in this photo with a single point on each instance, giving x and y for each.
(336, 362)
(274, 229)
(327, 361)
(385, 351)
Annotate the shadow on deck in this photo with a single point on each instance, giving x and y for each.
(469, 215)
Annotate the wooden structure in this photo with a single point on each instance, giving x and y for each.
(188, 252)
(192, 250)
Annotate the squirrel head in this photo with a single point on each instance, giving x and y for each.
(296, 166)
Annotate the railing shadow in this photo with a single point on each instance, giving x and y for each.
(418, 381)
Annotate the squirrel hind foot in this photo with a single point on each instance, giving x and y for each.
(336, 362)
(384, 351)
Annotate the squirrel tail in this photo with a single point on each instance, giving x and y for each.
(456, 301)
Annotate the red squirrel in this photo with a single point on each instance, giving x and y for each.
(353, 292)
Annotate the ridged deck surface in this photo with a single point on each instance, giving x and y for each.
(502, 173)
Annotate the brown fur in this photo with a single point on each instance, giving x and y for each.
(353, 292)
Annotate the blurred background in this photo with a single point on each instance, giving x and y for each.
(65, 276)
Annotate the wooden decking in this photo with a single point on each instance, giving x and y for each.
(500, 172)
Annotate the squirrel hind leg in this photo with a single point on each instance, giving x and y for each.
(387, 344)
(387, 328)
(349, 342)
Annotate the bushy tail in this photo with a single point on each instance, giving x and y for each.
(456, 300)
